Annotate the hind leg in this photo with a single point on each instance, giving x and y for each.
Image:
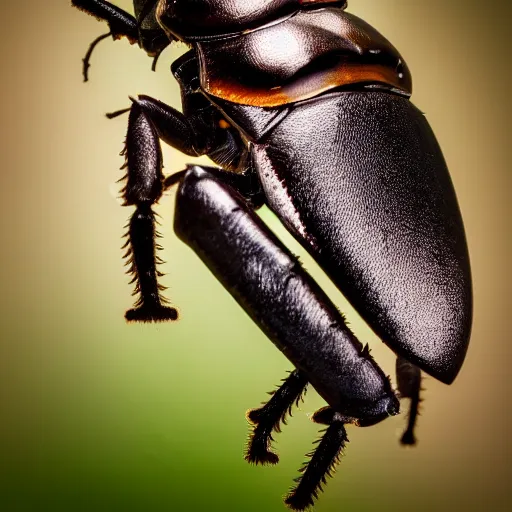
(283, 300)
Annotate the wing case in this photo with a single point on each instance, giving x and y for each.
(359, 178)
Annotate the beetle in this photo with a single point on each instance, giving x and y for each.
(304, 108)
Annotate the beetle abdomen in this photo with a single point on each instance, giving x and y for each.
(360, 179)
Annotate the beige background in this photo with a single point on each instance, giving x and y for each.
(98, 415)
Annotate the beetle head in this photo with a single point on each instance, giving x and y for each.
(205, 19)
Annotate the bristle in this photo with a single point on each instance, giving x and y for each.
(366, 351)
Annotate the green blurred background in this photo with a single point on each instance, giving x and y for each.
(98, 415)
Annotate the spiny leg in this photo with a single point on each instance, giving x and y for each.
(149, 121)
(409, 386)
(267, 419)
(194, 135)
(322, 464)
(143, 188)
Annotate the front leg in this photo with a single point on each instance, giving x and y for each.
(144, 187)
(149, 121)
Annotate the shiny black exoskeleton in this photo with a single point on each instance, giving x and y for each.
(305, 108)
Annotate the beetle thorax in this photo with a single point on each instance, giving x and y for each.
(199, 19)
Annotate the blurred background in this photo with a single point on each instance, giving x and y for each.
(98, 415)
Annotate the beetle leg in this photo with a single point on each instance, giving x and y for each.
(267, 419)
(144, 187)
(121, 24)
(323, 461)
(87, 58)
(150, 120)
(409, 386)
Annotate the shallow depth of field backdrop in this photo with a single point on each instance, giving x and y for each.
(98, 415)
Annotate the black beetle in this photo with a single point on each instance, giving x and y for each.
(305, 108)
